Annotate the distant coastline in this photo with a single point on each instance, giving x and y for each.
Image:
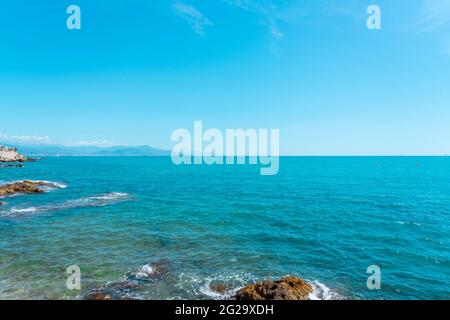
(47, 150)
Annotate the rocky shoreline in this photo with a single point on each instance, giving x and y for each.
(286, 288)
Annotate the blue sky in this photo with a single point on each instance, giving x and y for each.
(139, 69)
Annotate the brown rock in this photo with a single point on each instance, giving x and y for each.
(22, 187)
(287, 288)
(97, 296)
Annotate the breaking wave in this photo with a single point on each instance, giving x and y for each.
(97, 201)
(102, 200)
(224, 286)
(322, 292)
(50, 185)
(216, 287)
(26, 210)
(145, 272)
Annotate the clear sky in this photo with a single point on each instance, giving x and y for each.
(138, 69)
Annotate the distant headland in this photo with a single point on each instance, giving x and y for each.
(8, 154)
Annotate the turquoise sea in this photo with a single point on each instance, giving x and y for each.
(325, 219)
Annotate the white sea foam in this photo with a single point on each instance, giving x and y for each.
(206, 290)
(110, 196)
(145, 271)
(322, 292)
(97, 201)
(25, 210)
(196, 285)
(409, 223)
(94, 201)
(18, 212)
(57, 185)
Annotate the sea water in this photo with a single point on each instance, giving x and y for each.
(324, 219)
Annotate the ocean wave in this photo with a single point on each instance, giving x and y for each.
(216, 287)
(145, 272)
(97, 201)
(102, 200)
(207, 290)
(53, 185)
(25, 210)
(149, 272)
(322, 292)
(224, 286)
(410, 223)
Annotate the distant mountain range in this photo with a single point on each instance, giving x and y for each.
(42, 150)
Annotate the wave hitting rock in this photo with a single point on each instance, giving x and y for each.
(25, 187)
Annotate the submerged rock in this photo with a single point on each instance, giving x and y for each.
(287, 288)
(134, 281)
(23, 187)
(149, 272)
(20, 165)
(121, 290)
